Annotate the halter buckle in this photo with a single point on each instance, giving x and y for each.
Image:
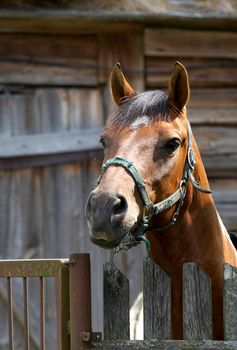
(147, 214)
(183, 187)
(191, 159)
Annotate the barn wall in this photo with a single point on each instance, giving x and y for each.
(54, 87)
(50, 91)
(211, 60)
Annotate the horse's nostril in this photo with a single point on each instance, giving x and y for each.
(88, 206)
(119, 210)
(120, 206)
(104, 209)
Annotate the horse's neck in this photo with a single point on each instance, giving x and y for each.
(198, 236)
(198, 233)
(214, 226)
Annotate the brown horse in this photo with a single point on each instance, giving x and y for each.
(153, 182)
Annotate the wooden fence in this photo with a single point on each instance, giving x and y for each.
(197, 309)
(73, 300)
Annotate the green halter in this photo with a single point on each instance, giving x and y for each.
(151, 209)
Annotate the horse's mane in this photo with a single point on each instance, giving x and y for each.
(153, 104)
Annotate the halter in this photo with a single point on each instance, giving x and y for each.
(151, 209)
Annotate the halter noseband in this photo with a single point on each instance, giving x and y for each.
(151, 209)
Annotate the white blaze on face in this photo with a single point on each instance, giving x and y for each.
(143, 121)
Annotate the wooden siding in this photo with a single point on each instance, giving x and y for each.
(51, 99)
(213, 64)
(225, 196)
(46, 60)
(76, 16)
(213, 106)
(211, 60)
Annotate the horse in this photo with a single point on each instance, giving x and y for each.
(153, 187)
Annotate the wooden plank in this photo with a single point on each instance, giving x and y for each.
(168, 345)
(51, 159)
(216, 140)
(32, 267)
(225, 196)
(116, 304)
(50, 149)
(212, 116)
(221, 97)
(50, 143)
(213, 64)
(79, 74)
(224, 190)
(80, 16)
(46, 47)
(76, 22)
(218, 147)
(197, 303)
(43, 59)
(184, 43)
(230, 302)
(213, 106)
(208, 72)
(228, 214)
(157, 302)
(43, 110)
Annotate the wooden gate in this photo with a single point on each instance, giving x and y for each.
(73, 301)
(72, 297)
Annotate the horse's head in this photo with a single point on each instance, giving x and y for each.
(150, 130)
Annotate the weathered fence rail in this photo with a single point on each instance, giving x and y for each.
(73, 301)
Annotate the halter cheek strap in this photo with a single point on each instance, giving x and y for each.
(151, 209)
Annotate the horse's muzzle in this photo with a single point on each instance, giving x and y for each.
(105, 213)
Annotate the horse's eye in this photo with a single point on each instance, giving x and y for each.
(172, 145)
(102, 141)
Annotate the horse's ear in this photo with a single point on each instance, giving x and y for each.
(178, 88)
(119, 86)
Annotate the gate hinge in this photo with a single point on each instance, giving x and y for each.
(91, 337)
(87, 337)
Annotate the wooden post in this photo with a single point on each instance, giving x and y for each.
(157, 302)
(116, 304)
(230, 302)
(80, 301)
(197, 303)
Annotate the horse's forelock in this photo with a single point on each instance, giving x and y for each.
(153, 104)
